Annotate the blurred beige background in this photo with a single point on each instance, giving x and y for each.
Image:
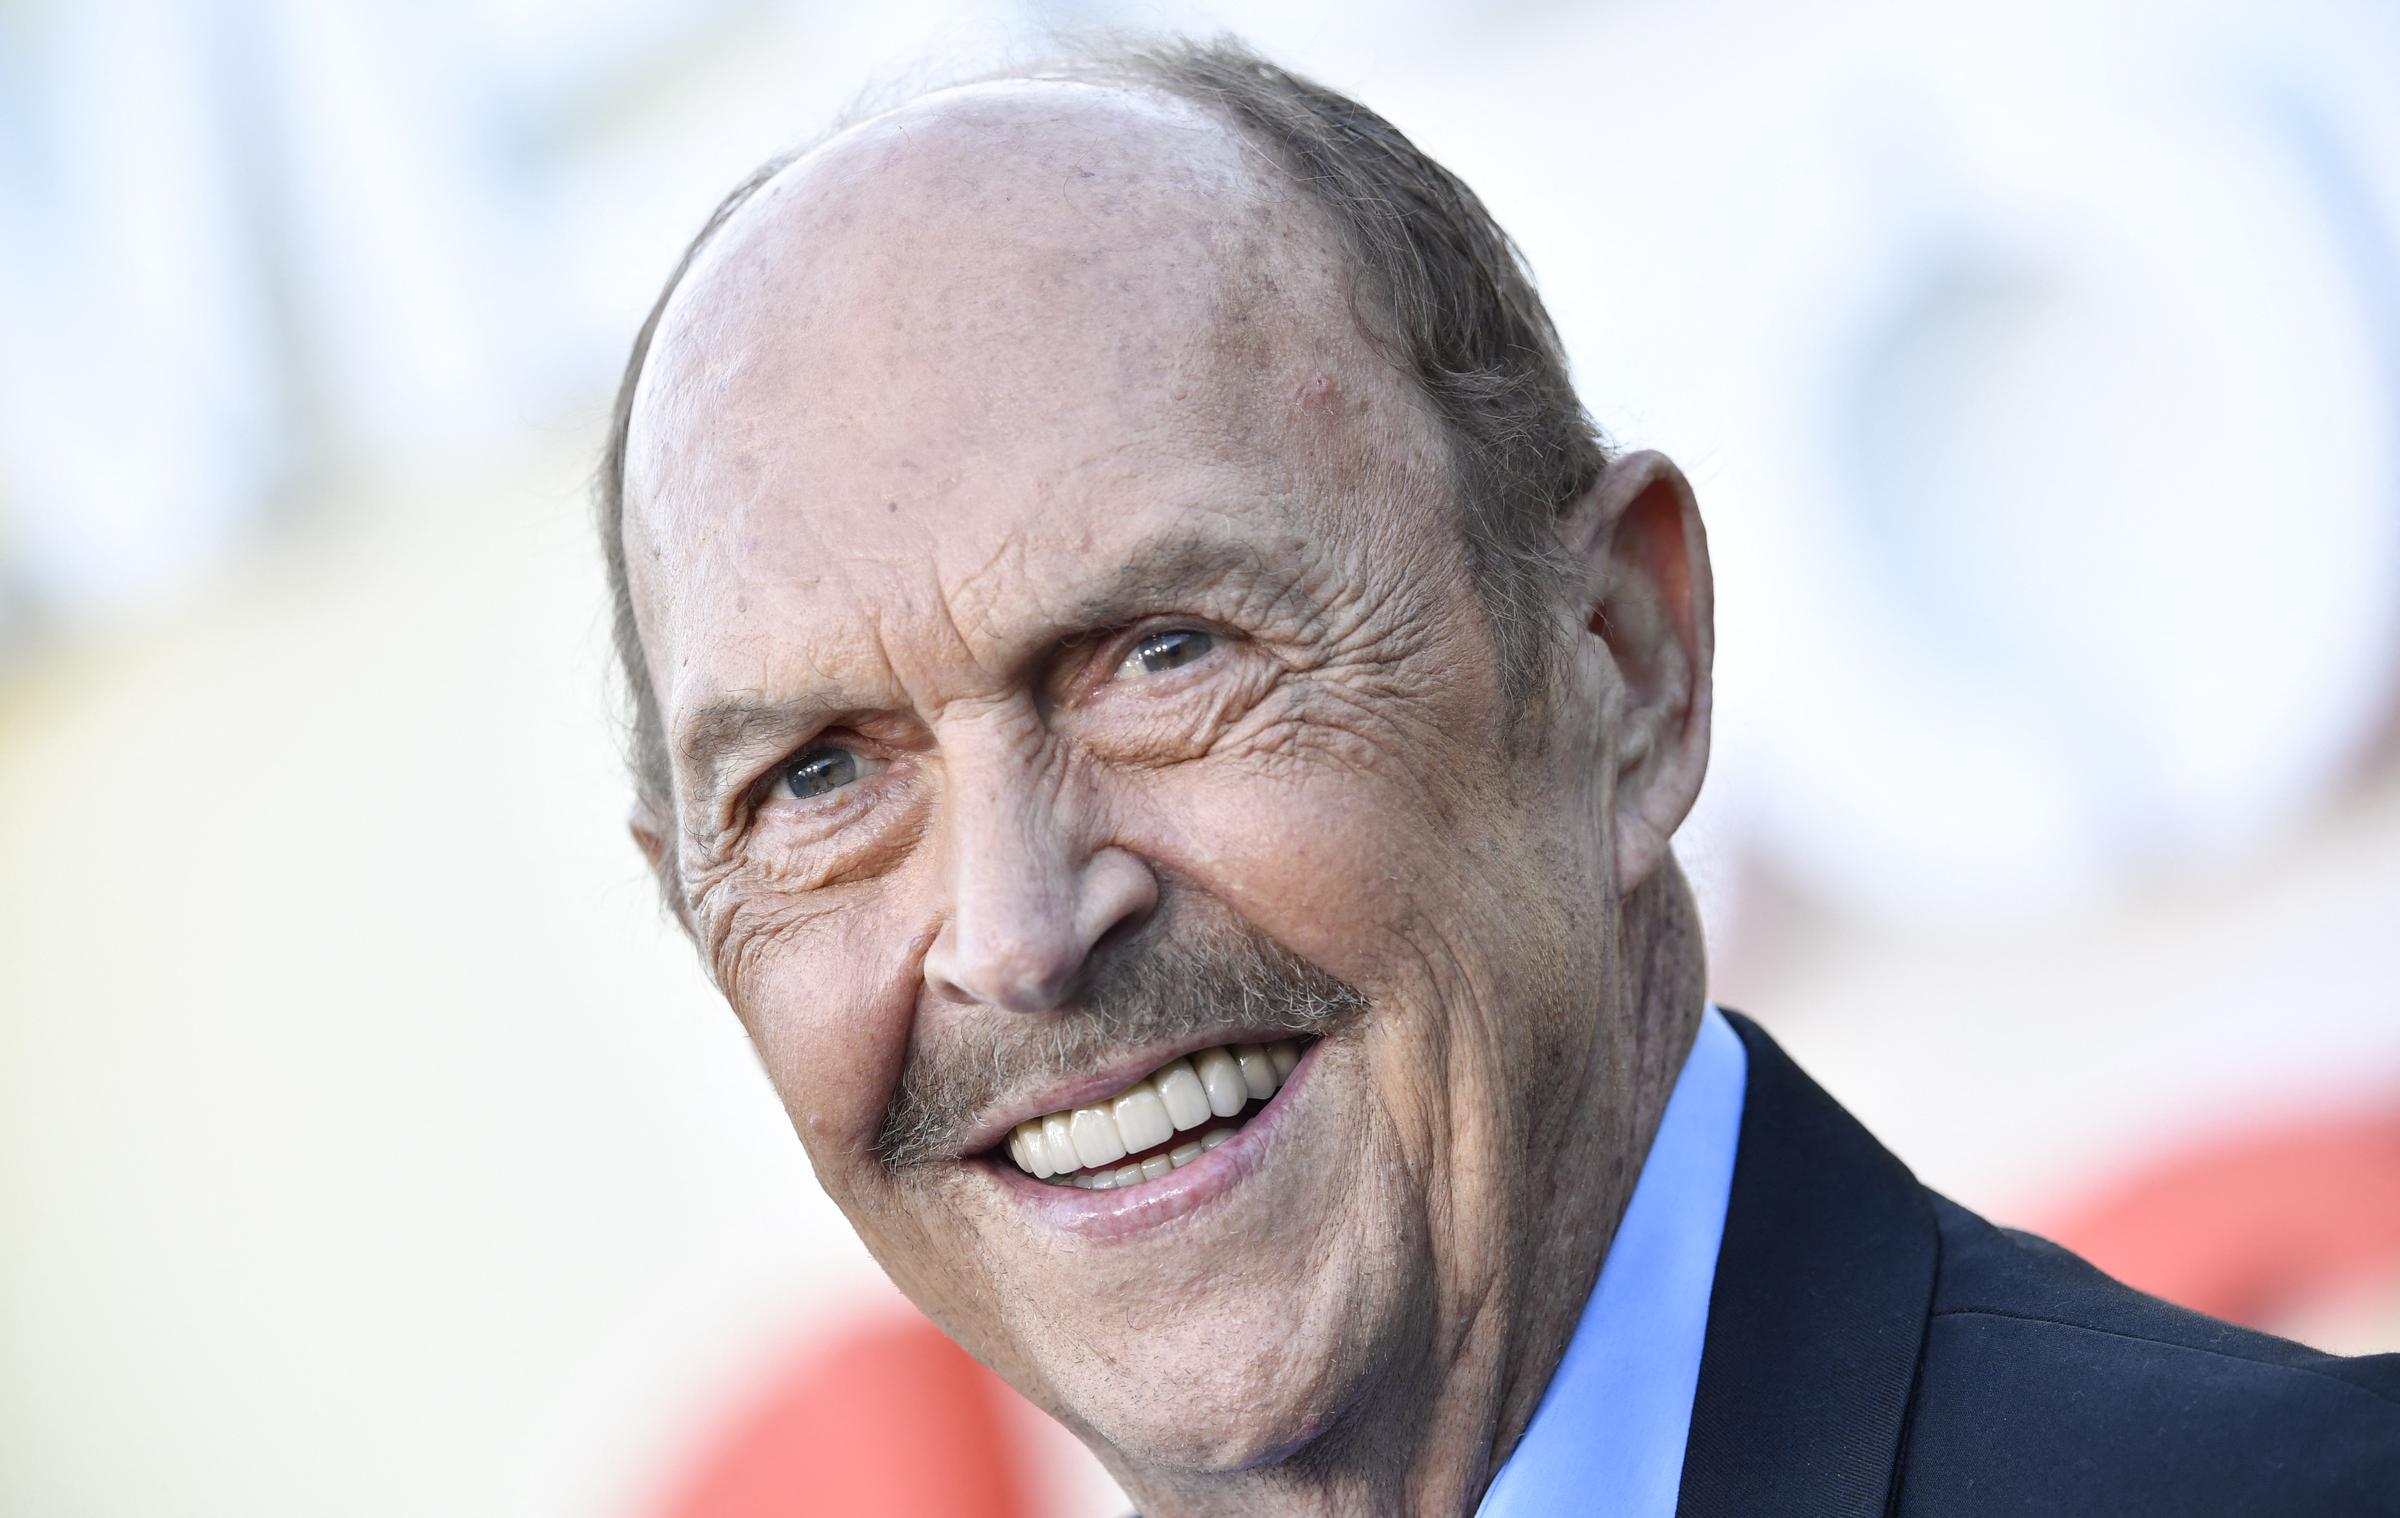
(370, 1144)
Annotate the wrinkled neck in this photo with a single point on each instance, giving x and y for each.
(1640, 1040)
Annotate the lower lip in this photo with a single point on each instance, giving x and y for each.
(1123, 1211)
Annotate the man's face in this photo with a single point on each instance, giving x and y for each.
(1071, 665)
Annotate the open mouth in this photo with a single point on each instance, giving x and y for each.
(1160, 1123)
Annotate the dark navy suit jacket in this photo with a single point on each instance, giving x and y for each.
(1876, 1351)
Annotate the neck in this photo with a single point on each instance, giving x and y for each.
(1430, 1437)
(1592, 1160)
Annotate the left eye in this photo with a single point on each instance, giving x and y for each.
(822, 771)
(1161, 652)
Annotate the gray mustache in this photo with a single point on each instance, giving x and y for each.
(1170, 988)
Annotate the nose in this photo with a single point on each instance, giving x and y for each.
(1029, 899)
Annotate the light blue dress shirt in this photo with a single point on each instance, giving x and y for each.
(1608, 1436)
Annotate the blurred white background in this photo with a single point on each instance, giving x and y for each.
(368, 1142)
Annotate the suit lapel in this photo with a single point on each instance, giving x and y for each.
(1818, 1314)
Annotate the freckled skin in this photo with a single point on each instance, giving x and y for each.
(932, 382)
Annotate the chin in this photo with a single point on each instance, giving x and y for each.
(1239, 1423)
(1225, 1385)
(1221, 1317)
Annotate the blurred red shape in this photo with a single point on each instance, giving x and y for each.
(2254, 1226)
(890, 1418)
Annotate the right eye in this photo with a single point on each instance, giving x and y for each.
(1170, 650)
(822, 770)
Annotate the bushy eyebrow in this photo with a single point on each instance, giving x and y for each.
(726, 732)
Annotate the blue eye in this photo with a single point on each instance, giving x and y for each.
(819, 772)
(1161, 652)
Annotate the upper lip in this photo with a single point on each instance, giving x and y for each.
(1108, 1079)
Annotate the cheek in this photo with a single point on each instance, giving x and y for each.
(827, 1000)
(1349, 865)
(1281, 860)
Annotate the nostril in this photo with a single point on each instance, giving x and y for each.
(1012, 976)
(1031, 991)
(1123, 931)
(1120, 897)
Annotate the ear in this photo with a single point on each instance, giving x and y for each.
(651, 836)
(1648, 607)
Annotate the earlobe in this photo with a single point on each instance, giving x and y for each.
(651, 836)
(648, 835)
(1651, 607)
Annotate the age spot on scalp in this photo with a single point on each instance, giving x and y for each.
(1315, 395)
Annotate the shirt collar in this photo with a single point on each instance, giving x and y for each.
(1608, 1436)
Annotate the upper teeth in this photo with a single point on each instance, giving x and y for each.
(1181, 1094)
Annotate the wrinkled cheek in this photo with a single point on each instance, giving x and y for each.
(829, 1015)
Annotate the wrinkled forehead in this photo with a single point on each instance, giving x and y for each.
(1000, 317)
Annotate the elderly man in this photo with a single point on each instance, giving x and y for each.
(1165, 722)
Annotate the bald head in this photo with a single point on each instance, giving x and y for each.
(990, 212)
(915, 296)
